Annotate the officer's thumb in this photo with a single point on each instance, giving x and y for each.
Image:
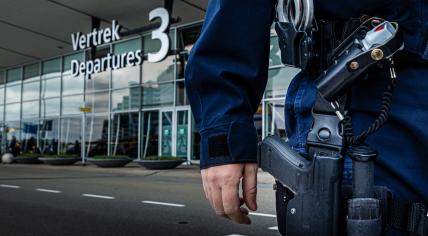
(249, 186)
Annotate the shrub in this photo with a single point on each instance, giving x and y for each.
(163, 158)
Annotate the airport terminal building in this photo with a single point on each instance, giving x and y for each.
(99, 78)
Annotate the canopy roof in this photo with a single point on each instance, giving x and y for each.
(32, 30)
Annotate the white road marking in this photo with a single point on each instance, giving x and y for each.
(9, 186)
(97, 196)
(262, 214)
(164, 203)
(47, 190)
(235, 235)
(273, 228)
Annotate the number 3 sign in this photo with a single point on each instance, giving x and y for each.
(160, 34)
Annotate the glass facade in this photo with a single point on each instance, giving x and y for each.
(70, 135)
(136, 111)
(270, 117)
(124, 134)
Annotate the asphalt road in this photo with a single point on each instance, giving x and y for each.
(45, 200)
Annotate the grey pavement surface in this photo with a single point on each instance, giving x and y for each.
(77, 200)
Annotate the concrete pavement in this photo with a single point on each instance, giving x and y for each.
(76, 200)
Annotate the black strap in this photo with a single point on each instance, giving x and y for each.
(410, 217)
(323, 106)
(418, 219)
(217, 146)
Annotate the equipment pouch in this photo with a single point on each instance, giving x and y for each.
(295, 45)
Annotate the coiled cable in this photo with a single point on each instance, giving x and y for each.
(381, 119)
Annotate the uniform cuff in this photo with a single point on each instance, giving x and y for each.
(227, 144)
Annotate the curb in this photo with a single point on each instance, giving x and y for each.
(190, 171)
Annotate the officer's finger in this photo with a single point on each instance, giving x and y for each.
(217, 201)
(249, 186)
(205, 184)
(244, 211)
(231, 204)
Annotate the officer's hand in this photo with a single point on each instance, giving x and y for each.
(221, 186)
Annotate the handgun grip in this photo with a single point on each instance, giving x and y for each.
(283, 163)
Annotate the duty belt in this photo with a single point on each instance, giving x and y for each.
(408, 216)
(398, 214)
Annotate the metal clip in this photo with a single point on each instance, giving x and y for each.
(392, 73)
(336, 108)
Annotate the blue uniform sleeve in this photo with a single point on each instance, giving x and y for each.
(345, 9)
(226, 76)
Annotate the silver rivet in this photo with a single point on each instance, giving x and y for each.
(324, 134)
(293, 211)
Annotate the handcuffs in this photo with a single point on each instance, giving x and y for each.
(294, 25)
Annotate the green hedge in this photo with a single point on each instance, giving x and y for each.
(163, 158)
(30, 155)
(60, 156)
(109, 157)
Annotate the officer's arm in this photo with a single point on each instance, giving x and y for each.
(225, 79)
(226, 76)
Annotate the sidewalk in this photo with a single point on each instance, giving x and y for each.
(191, 171)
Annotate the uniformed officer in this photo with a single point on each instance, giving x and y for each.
(227, 73)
